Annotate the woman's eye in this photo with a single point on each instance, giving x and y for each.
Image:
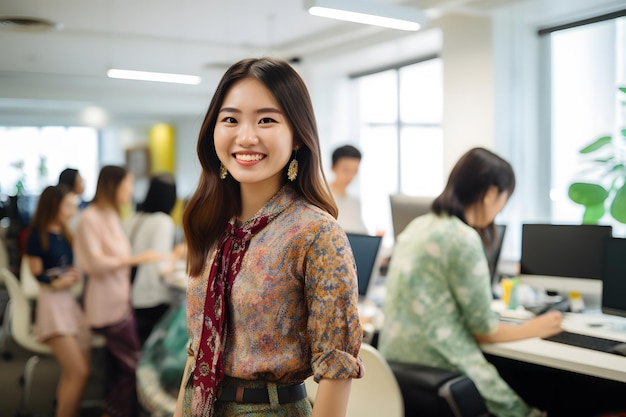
(266, 120)
(229, 119)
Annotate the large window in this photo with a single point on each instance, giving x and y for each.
(587, 65)
(400, 136)
(33, 157)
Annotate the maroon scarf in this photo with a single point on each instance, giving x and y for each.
(224, 269)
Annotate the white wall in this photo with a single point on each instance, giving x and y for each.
(468, 103)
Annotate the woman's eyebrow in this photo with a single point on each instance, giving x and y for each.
(258, 111)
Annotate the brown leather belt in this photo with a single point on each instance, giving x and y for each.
(287, 394)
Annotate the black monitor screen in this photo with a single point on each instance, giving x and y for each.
(614, 277)
(560, 250)
(365, 249)
(493, 251)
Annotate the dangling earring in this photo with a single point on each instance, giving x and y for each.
(292, 169)
(223, 171)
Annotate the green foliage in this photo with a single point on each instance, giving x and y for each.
(604, 166)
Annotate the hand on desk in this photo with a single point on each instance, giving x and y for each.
(547, 324)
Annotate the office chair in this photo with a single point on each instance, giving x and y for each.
(19, 314)
(435, 392)
(21, 330)
(376, 394)
(28, 282)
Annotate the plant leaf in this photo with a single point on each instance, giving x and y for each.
(624, 132)
(595, 145)
(587, 194)
(623, 89)
(618, 206)
(593, 214)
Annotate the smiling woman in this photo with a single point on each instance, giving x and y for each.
(263, 222)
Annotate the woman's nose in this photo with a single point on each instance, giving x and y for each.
(247, 135)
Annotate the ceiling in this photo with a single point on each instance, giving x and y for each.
(62, 71)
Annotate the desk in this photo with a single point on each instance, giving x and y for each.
(561, 379)
(570, 358)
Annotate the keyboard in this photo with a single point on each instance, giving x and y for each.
(585, 341)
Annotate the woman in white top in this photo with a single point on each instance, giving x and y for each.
(152, 228)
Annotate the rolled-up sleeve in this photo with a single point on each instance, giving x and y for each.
(332, 299)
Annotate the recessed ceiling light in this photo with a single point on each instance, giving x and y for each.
(28, 24)
(385, 15)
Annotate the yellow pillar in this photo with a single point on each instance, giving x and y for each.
(161, 142)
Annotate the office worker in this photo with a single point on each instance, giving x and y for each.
(345, 166)
(74, 181)
(103, 251)
(437, 308)
(59, 321)
(272, 297)
(152, 228)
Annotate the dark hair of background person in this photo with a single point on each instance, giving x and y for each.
(47, 211)
(68, 177)
(476, 171)
(215, 200)
(161, 195)
(109, 180)
(346, 151)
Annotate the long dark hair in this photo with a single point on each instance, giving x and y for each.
(476, 171)
(161, 195)
(109, 180)
(215, 200)
(47, 211)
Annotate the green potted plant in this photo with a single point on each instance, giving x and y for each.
(604, 167)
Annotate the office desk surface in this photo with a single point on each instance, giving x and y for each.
(571, 358)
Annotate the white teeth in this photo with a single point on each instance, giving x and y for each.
(247, 157)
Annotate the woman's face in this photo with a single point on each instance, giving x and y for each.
(125, 190)
(252, 135)
(67, 208)
(493, 203)
(79, 185)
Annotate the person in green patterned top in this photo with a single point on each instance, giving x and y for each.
(437, 308)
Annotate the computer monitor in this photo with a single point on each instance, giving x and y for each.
(493, 251)
(551, 252)
(365, 249)
(614, 277)
(405, 208)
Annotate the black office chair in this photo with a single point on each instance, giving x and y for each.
(434, 392)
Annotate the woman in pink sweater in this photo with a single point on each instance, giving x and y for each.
(103, 251)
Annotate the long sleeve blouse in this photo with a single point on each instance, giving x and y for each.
(293, 306)
(100, 249)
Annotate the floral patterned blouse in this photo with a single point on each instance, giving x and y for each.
(293, 307)
(438, 298)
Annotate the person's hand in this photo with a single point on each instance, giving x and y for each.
(153, 256)
(547, 324)
(180, 251)
(69, 277)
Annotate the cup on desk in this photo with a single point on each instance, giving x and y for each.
(509, 295)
